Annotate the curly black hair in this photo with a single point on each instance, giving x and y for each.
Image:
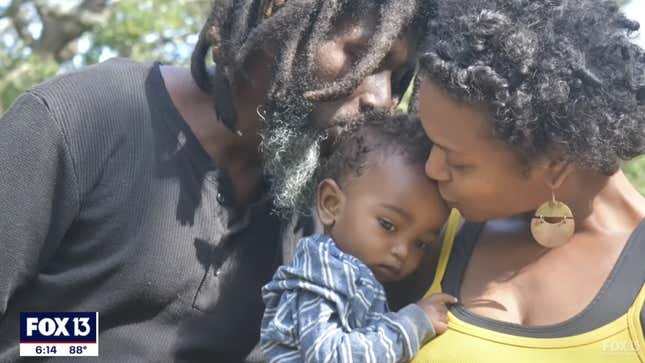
(236, 28)
(558, 74)
(379, 132)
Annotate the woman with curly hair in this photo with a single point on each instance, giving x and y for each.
(531, 106)
(146, 192)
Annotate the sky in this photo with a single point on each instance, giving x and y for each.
(636, 10)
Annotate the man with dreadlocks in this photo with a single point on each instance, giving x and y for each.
(146, 192)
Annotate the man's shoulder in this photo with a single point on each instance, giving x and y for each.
(103, 111)
(103, 97)
(114, 79)
(109, 70)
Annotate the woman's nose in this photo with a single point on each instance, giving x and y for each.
(376, 92)
(436, 166)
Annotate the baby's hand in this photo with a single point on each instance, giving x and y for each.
(436, 309)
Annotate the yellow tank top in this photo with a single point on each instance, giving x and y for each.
(620, 340)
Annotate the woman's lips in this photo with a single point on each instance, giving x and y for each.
(451, 204)
(450, 201)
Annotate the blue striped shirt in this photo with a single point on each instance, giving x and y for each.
(327, 306)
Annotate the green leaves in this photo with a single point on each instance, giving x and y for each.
(138, 29)
(635, 171)
(152, 29)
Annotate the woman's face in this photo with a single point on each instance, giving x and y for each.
(476, 173)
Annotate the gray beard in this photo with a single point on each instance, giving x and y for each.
(291, 154)
(291, 160)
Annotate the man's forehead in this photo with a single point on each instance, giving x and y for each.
(350, 20)
(365, 21)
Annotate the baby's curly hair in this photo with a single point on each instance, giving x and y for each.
(552, 73)
(380, 132)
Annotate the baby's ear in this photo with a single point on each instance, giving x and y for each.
(329, 202)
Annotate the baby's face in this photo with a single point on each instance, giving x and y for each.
(389, 214)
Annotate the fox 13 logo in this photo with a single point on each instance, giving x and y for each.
(59, 334)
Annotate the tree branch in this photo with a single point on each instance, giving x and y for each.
(18, 20)
(64, 26)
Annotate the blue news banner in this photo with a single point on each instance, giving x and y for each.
(59, 334)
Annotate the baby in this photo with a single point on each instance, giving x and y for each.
(379, 212)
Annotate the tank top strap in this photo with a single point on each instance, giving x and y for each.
(635, 319)
(452, 226)
(618, 295)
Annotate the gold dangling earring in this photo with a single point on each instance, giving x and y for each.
(553, 224)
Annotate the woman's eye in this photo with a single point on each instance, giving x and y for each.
(386, 225)
(458, 167)
(422, 245)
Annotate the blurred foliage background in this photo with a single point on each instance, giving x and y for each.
(42, 38)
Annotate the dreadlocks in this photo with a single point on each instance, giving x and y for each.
(290, 144)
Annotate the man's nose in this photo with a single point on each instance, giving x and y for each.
(376, 92)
